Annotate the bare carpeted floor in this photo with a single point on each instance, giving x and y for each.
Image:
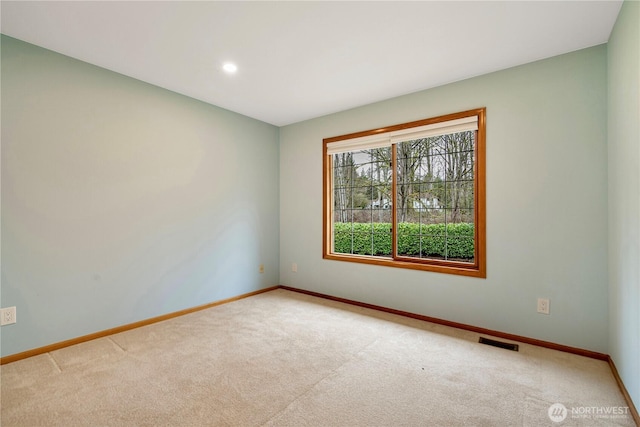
(287, 359)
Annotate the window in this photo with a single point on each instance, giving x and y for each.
(410, 195)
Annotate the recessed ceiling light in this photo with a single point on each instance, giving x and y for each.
(230, 67)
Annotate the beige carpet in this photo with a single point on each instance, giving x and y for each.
(287, 359)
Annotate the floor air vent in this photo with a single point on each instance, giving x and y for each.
(505, 345)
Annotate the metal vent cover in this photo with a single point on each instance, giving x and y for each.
(500, 344)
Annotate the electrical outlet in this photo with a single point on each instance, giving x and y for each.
(261, 268)
(543, 305)
(7, 316)
(294, 267)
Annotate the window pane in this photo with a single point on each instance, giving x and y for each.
(433, 246)
(362, 241)
(382, 243)
(342, 238)
(362, 187)
(460, 248)
(409, 239)
(435, 197)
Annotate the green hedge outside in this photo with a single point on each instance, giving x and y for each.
(438, 240)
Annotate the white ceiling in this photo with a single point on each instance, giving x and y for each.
(300, 60)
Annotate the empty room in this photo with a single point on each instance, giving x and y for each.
(327, 213)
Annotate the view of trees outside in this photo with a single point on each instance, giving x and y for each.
(435, 199)
(362, 193)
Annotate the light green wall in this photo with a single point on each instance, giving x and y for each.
(122, 201)
(546, 204)
(624, 196)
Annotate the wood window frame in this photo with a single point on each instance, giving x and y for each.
(475, 269)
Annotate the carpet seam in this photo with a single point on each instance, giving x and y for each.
(310, 388)
(116, 345)
(55, 363)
